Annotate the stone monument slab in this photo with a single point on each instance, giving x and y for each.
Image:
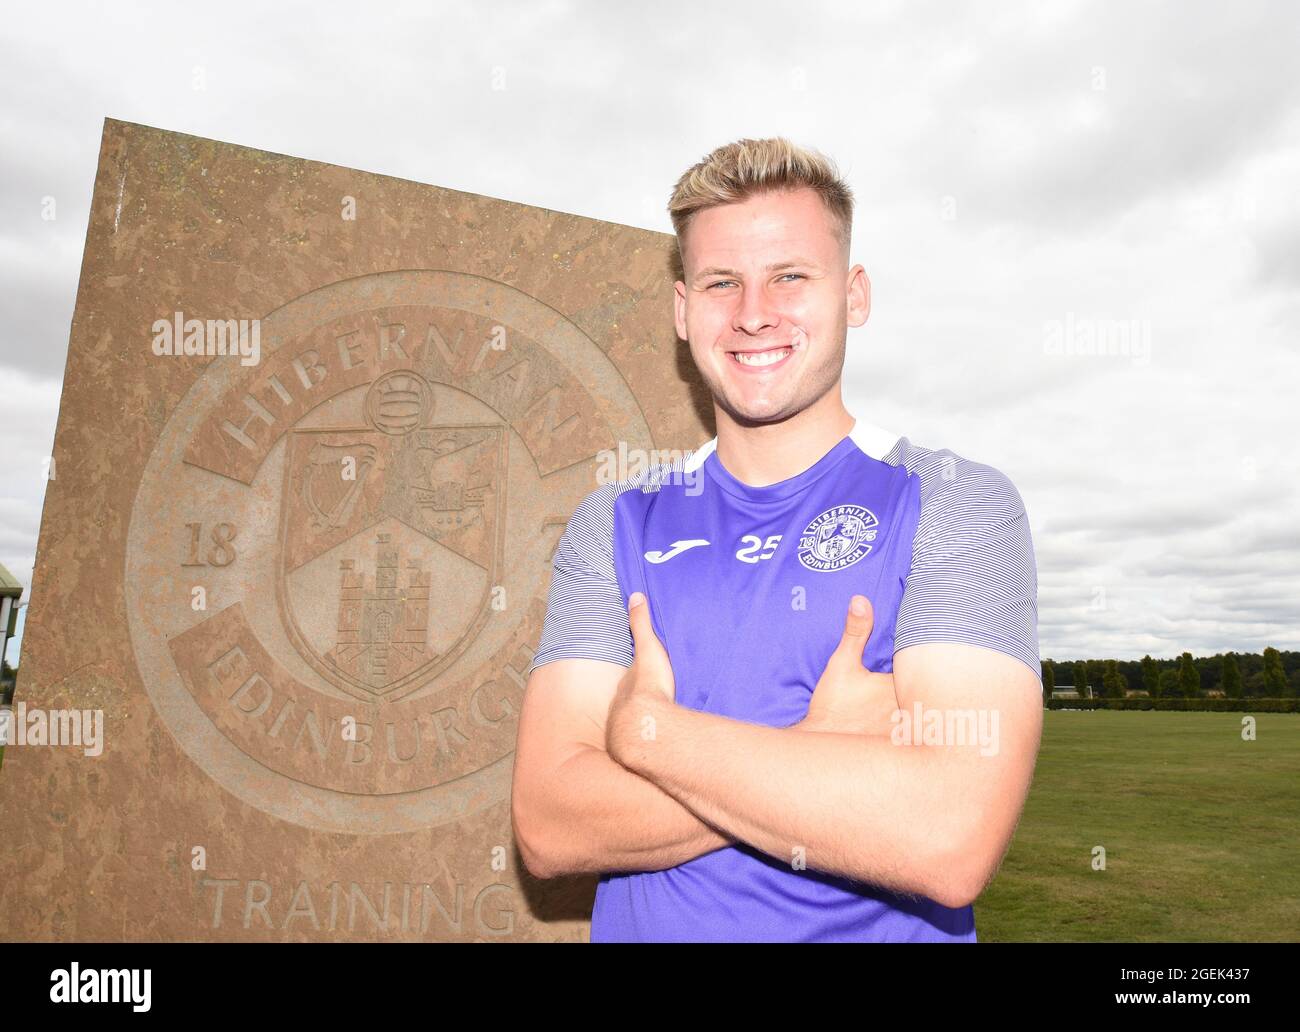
(319, 435)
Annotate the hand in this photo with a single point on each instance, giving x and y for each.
(849, 698)
(648, 682)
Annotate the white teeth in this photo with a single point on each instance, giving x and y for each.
(762, 358)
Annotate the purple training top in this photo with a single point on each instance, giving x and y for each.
(748, 590)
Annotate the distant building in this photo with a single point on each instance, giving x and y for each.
(11, 590)
(1069, 693)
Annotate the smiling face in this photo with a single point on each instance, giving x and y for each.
(766, 303)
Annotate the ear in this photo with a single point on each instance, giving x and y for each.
(859, 296)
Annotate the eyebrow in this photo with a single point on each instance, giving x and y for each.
(716, 270)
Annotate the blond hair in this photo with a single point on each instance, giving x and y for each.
(737, 171)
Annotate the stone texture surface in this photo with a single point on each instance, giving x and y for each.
(323, 750)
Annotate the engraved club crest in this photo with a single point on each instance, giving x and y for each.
(331, 600)
(838, 538)
(390, 540)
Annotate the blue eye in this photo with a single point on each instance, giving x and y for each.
(719, 283)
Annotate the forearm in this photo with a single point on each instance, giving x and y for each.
(785, 791)
(598, 816)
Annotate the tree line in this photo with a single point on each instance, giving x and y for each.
(1239, 675)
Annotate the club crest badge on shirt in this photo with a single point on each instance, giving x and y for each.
(839, 537)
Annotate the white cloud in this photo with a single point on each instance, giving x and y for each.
(1167, 197)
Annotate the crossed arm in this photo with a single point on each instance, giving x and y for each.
(932, 820)
(575, 810)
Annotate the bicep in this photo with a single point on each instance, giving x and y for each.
(955, 677)
(991, 702)
(563, 715)
(565, 706)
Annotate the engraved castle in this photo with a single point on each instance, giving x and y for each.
(383, 628)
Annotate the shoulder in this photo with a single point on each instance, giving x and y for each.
(585, 614)
(590, 529)
(973, 578)
(958, 494)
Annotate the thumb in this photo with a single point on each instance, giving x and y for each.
(857, 628)
(643, 631)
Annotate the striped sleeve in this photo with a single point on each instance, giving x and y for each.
(973, 579)
(585, 617)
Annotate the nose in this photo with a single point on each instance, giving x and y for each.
(754, 312)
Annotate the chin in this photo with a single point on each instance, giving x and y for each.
(773, 413)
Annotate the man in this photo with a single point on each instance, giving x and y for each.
(715, 719)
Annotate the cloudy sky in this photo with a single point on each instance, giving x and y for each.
(1031, 178)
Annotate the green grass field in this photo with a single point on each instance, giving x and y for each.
(1201, 831)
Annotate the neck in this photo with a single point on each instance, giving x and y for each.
(767, 453)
